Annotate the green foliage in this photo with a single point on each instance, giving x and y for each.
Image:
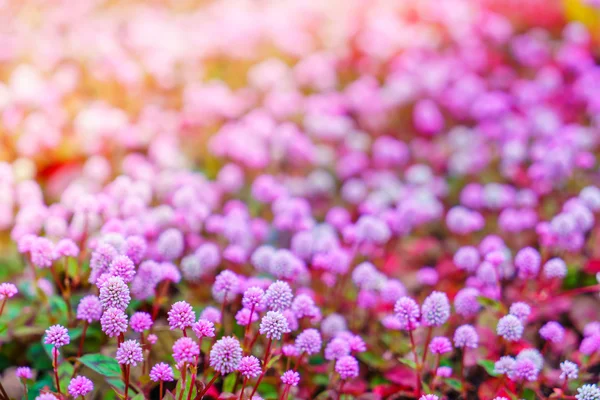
(104, 365)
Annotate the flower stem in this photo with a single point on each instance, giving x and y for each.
(462, 373)
(126, 369)
(265, 362)
(243, 387)
(427, 340)
(209, 385)
(80, 351)
(418, 372)
(55, 365)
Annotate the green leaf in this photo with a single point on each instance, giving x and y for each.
(528, 394)
(488, 365)
(139, 396)
(268, 391)
(34, 390)
(229, 383)
(116, 383)
(408, 362)
(65, 372)
(321, 380)
(104, 365)
(454, 384)
(487, 302)
(273, 360)
(38, 358)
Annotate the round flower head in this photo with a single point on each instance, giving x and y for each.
(253, 298)
(225, 355)
(181, 315)
(185, 350)
(7, 290)
(467, 258)
(273, 325)
(569, 370)
(524, 370)
(152, 338)
(510, 328)
(501, 398)
(113, 322)
(226, 286)
(533, 355)
(429, 397)
(211, 314)
(309, 342)
(141, 321)
(504, 365)
(336, 348)
(24, 373)
(552, 331)
(170, 244)
(466, 336)
(203, 328)
(440, 345)
(161, 372)
(407, 311)
(42, 252)
(115, 294)
(528, 262)
(466, 302)
(520, 310)
(279, 296)
(46, 396)
(333, 324)
(555, 268)
(436, 309)
(291, 378)
(57, 335)
(249, 367)
(80, 386)
(122, 267)
(357, 344)
(443, 372)
(135, 249)
(347, 367)
(588, 392)
(244, 317)
(304, 306)
(130, 353)
(89, 309)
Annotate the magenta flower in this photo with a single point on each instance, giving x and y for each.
(336, 348)
(440, 345)
(57, 335)
(161, 372)
(181, 315)
(7, 290)
(113, 322)
(253, 298)
(130, 353)
(89, 309)
(273, 325)
(466, 336)
(80, 386)
(244, 317)
(553, 332)
(226, 286)
(524, 370)
(528, 262)
(407, 312)
(569, 370)
(203, 328)
(66, 248)
(185, 350)
(122, 267)
(24, 373)
(211, 314)
(226, 355)
(42, 252)
(249, 367)
(429, 397)
(279, 296)
(141, 321)
(309, 341)
(520, 310)
(114, 293)
(510, 328)
(435, 310)
(46, 396)
(347, 367)
(290, 378)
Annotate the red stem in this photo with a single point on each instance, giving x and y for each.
(127, 369)
(80, 351)
(209, 385)
(55, 354)
(265, 362)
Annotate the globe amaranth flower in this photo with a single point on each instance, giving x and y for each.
(211, 314)
(524, 370)
(569, 370)
(279, 296)
(290, 378)
(533, 355)
(429, 397)
(273, 325)
(440, 345)
(152, 338)
(407, 312)
(510, 328)
(135, 248)
(80, 386)
(122, 267)
(170, 244)
(466, 336)
(249, 367)
(555, 268)
(57, 335)
(185, 350)
(553, 332)
(89, 309)
(24, 373)
(181, 315)
(114, 293)
(244, 317)
(203, 328)
(357, 344)
(336, 348)
(141, 321)
(435, 310)
(46, 396)
(161, 372)
(309, 341)
(528, 262)
(253, 298)
(226, 286)
(520, 310)
(304, 306)
(7, 290)
(130, 353)
(443, 372)
(588, 392)
(42, 252)
(113, 322)
(225, 355)
(466, 302)
(467, 258)
(347, 367)
(504, 365)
